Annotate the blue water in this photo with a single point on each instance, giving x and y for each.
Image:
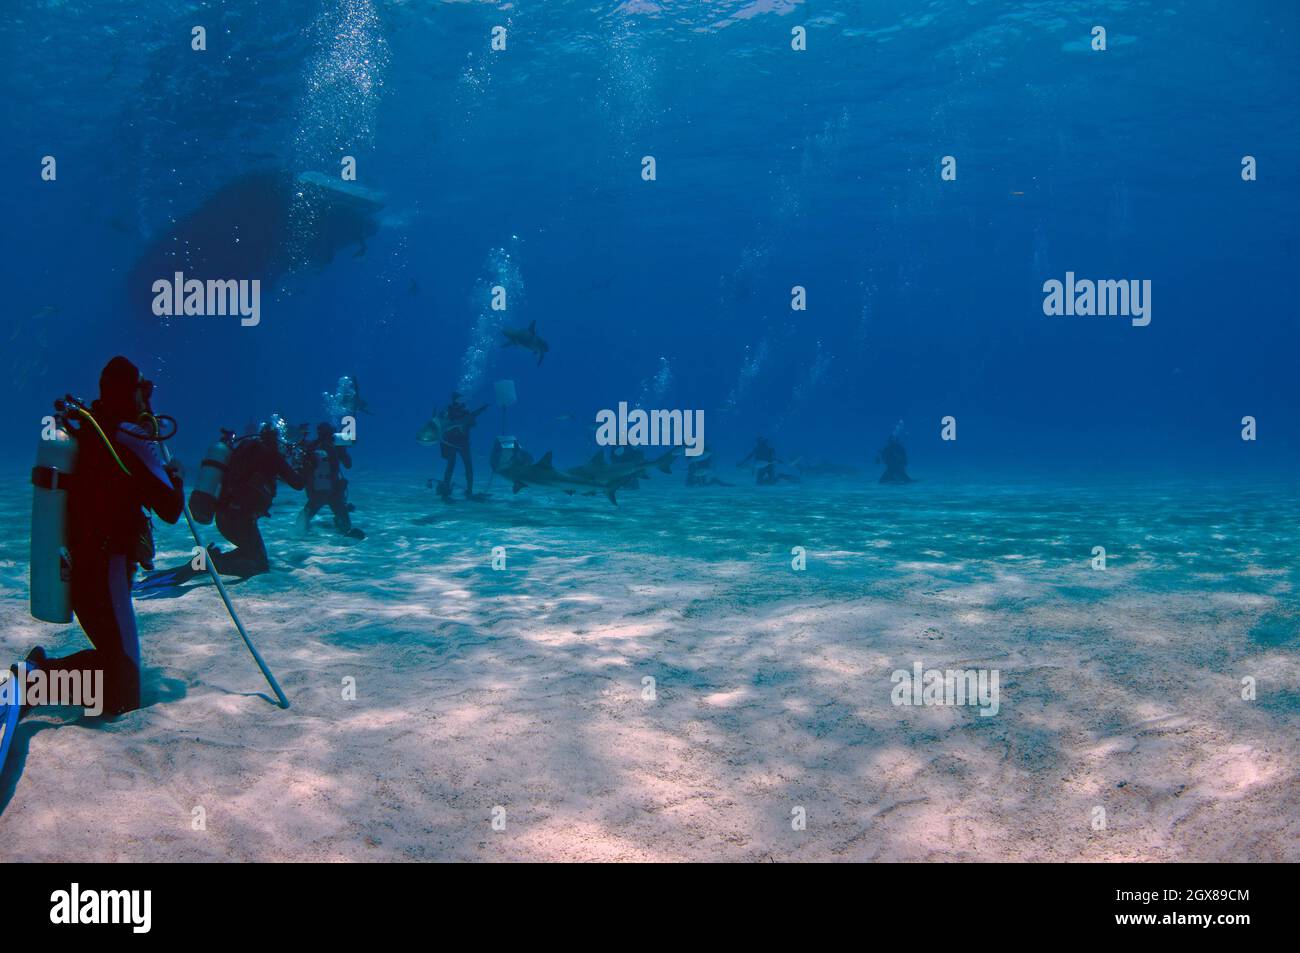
(776, 168)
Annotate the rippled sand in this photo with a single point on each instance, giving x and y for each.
(523, 688)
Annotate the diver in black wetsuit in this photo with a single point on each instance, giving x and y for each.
(109, 533)
(894, 456)
(765, 461)
(458, 419)
(252, 475)
(326, 485)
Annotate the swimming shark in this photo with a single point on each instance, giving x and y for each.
(632, 460)
(824, 468)
(438, 426)
(527, 339)
(346, 400)
(596, 473)
(359, 406)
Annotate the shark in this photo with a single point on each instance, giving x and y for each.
(527, 339)
(631, 459)
(597, 473)
(823, 468)
(359, 405)
(346, 400)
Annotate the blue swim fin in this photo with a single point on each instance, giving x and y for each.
(10, 706)
(165, 578)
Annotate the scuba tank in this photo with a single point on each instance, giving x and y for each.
(212, 472)
(321, 482)
(51, 565)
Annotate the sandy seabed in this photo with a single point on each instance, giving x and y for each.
(524, 689)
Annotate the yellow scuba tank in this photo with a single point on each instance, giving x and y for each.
(51, 564)
(212, 472)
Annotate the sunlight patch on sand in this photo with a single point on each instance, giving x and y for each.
(726, 699)
(1234, 773)
(574, 839)
(373, 719)
(1255, 571)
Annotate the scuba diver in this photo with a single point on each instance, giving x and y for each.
(326, 486)
(699, 472)
(255, 466)
(119, 478)
(457, 420)
(765, 461)
(894, 457)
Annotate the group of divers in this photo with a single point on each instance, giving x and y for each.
(97, 485)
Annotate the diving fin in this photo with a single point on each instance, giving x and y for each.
(166, 578)
(10, 707)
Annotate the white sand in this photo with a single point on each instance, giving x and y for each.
(523, 689)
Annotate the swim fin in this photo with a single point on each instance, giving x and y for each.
(165, 578)
(10, 707)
